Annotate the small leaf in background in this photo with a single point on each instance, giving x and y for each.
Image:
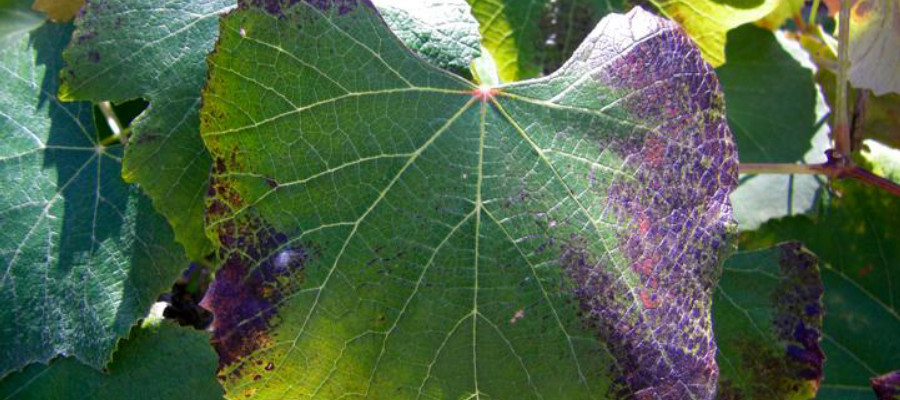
(784, 10)
(778, 115)
(858, 243)
(767, 313)
(529, 38)
(127, 49)
(16, 16)
(882, 120)
(885, 160)
(887, 386)
(158, 362)
(83, 255)
(396, 232)
(875, 46)
(441, 31)
(708, 21)
(58, 10)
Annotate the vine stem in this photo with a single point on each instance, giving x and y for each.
(114, 124)
(835, 168)
(841, 121)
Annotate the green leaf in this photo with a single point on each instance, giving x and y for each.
(441, 31)
(882, 120)
(162, 362)
(391, 231)
(885, 160)
(528, 38)
(874, 40)
(778, 115)
(125, 49)
(858, 243)
(83, 255)
(708, 21)
(17, 17)
(784, 10)
(768, 319)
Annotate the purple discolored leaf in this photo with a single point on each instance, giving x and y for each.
(887, 386)
(395, 232)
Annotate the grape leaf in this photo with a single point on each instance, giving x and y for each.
(531, 37)
(441, 31)
(17, 17)
(391, 231)
(784, 10)
(885, 160)
(125, 49)
(708, 21)
(158, 362)
(858, 244)
(874, 40)
(132, 48)
(59, 10)
(767, 311)
(778, 115)
(83, 255)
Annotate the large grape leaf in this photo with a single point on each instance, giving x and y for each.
(83, 255)
(158, 362)
(857, 240)
(125, 49)
(778, 115)
(708, 21)
(768, 311)
(391, 231)
(531, 37)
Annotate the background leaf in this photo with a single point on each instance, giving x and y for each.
(858, 243)
(59, 10)
(397, 231)
(162, 362)
(874, 44)
(126, 49)
(441, 31)
(528, 38)
(17, 17)
(778, 115)
(784, 10)
(708, 21)
(83, 255)
(768, 320)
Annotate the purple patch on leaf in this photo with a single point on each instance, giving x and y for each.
(887, 386)
(278, 7)
(260, 269)
(675, 217)
(800, 293)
